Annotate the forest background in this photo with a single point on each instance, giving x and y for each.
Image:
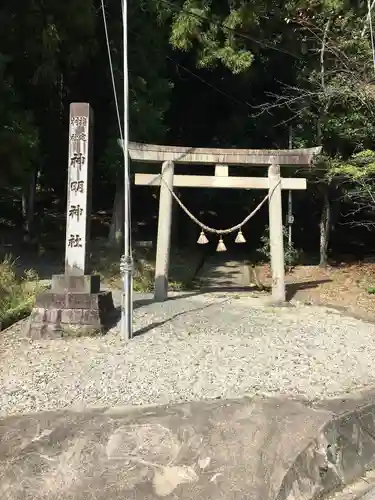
(204, 73)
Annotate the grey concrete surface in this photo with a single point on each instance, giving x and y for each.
(369, 496)
(245, 449)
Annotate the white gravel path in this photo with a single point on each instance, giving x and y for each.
(192, 347)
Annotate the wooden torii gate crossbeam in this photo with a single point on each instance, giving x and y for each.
(221, 158)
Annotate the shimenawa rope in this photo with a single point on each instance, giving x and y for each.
(202, 238)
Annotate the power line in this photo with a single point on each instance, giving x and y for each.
(190, 72)
(371, 32)
(241, 103)
(228, 28)
(200, 78)
(111, 69)
(220, 91)
(369, 9)
(187, 70)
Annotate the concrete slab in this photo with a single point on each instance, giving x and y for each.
(261, 448)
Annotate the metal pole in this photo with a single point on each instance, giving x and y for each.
(127, 259)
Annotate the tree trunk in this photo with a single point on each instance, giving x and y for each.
(325, 226)
(116, 231)
(28, 206)
(335, 208)
(325, 219)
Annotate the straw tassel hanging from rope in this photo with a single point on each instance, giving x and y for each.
(240, 238)
(202, 240)
(221, 245)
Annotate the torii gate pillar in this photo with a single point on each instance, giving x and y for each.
(164, 233)
(276, 234)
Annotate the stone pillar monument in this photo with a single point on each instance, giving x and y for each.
(75, 305)
(79, 189)
(78, 211)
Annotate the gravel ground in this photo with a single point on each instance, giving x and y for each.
(189, 348)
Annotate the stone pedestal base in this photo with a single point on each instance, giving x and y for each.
(57, 315)
(85, 283)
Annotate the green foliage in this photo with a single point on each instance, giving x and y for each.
(43, 47)
(197, 26)
(291, 254)
(19, 139)
(332, 98)
(150, 88)
(360, 166)
(106, 262)
(272, 64)
(17, 295)
(356, 177)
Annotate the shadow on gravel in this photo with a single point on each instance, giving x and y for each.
(156, 324)
(293, 288)
(150, 300)
(229, 289)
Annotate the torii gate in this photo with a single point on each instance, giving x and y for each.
(168, 156)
